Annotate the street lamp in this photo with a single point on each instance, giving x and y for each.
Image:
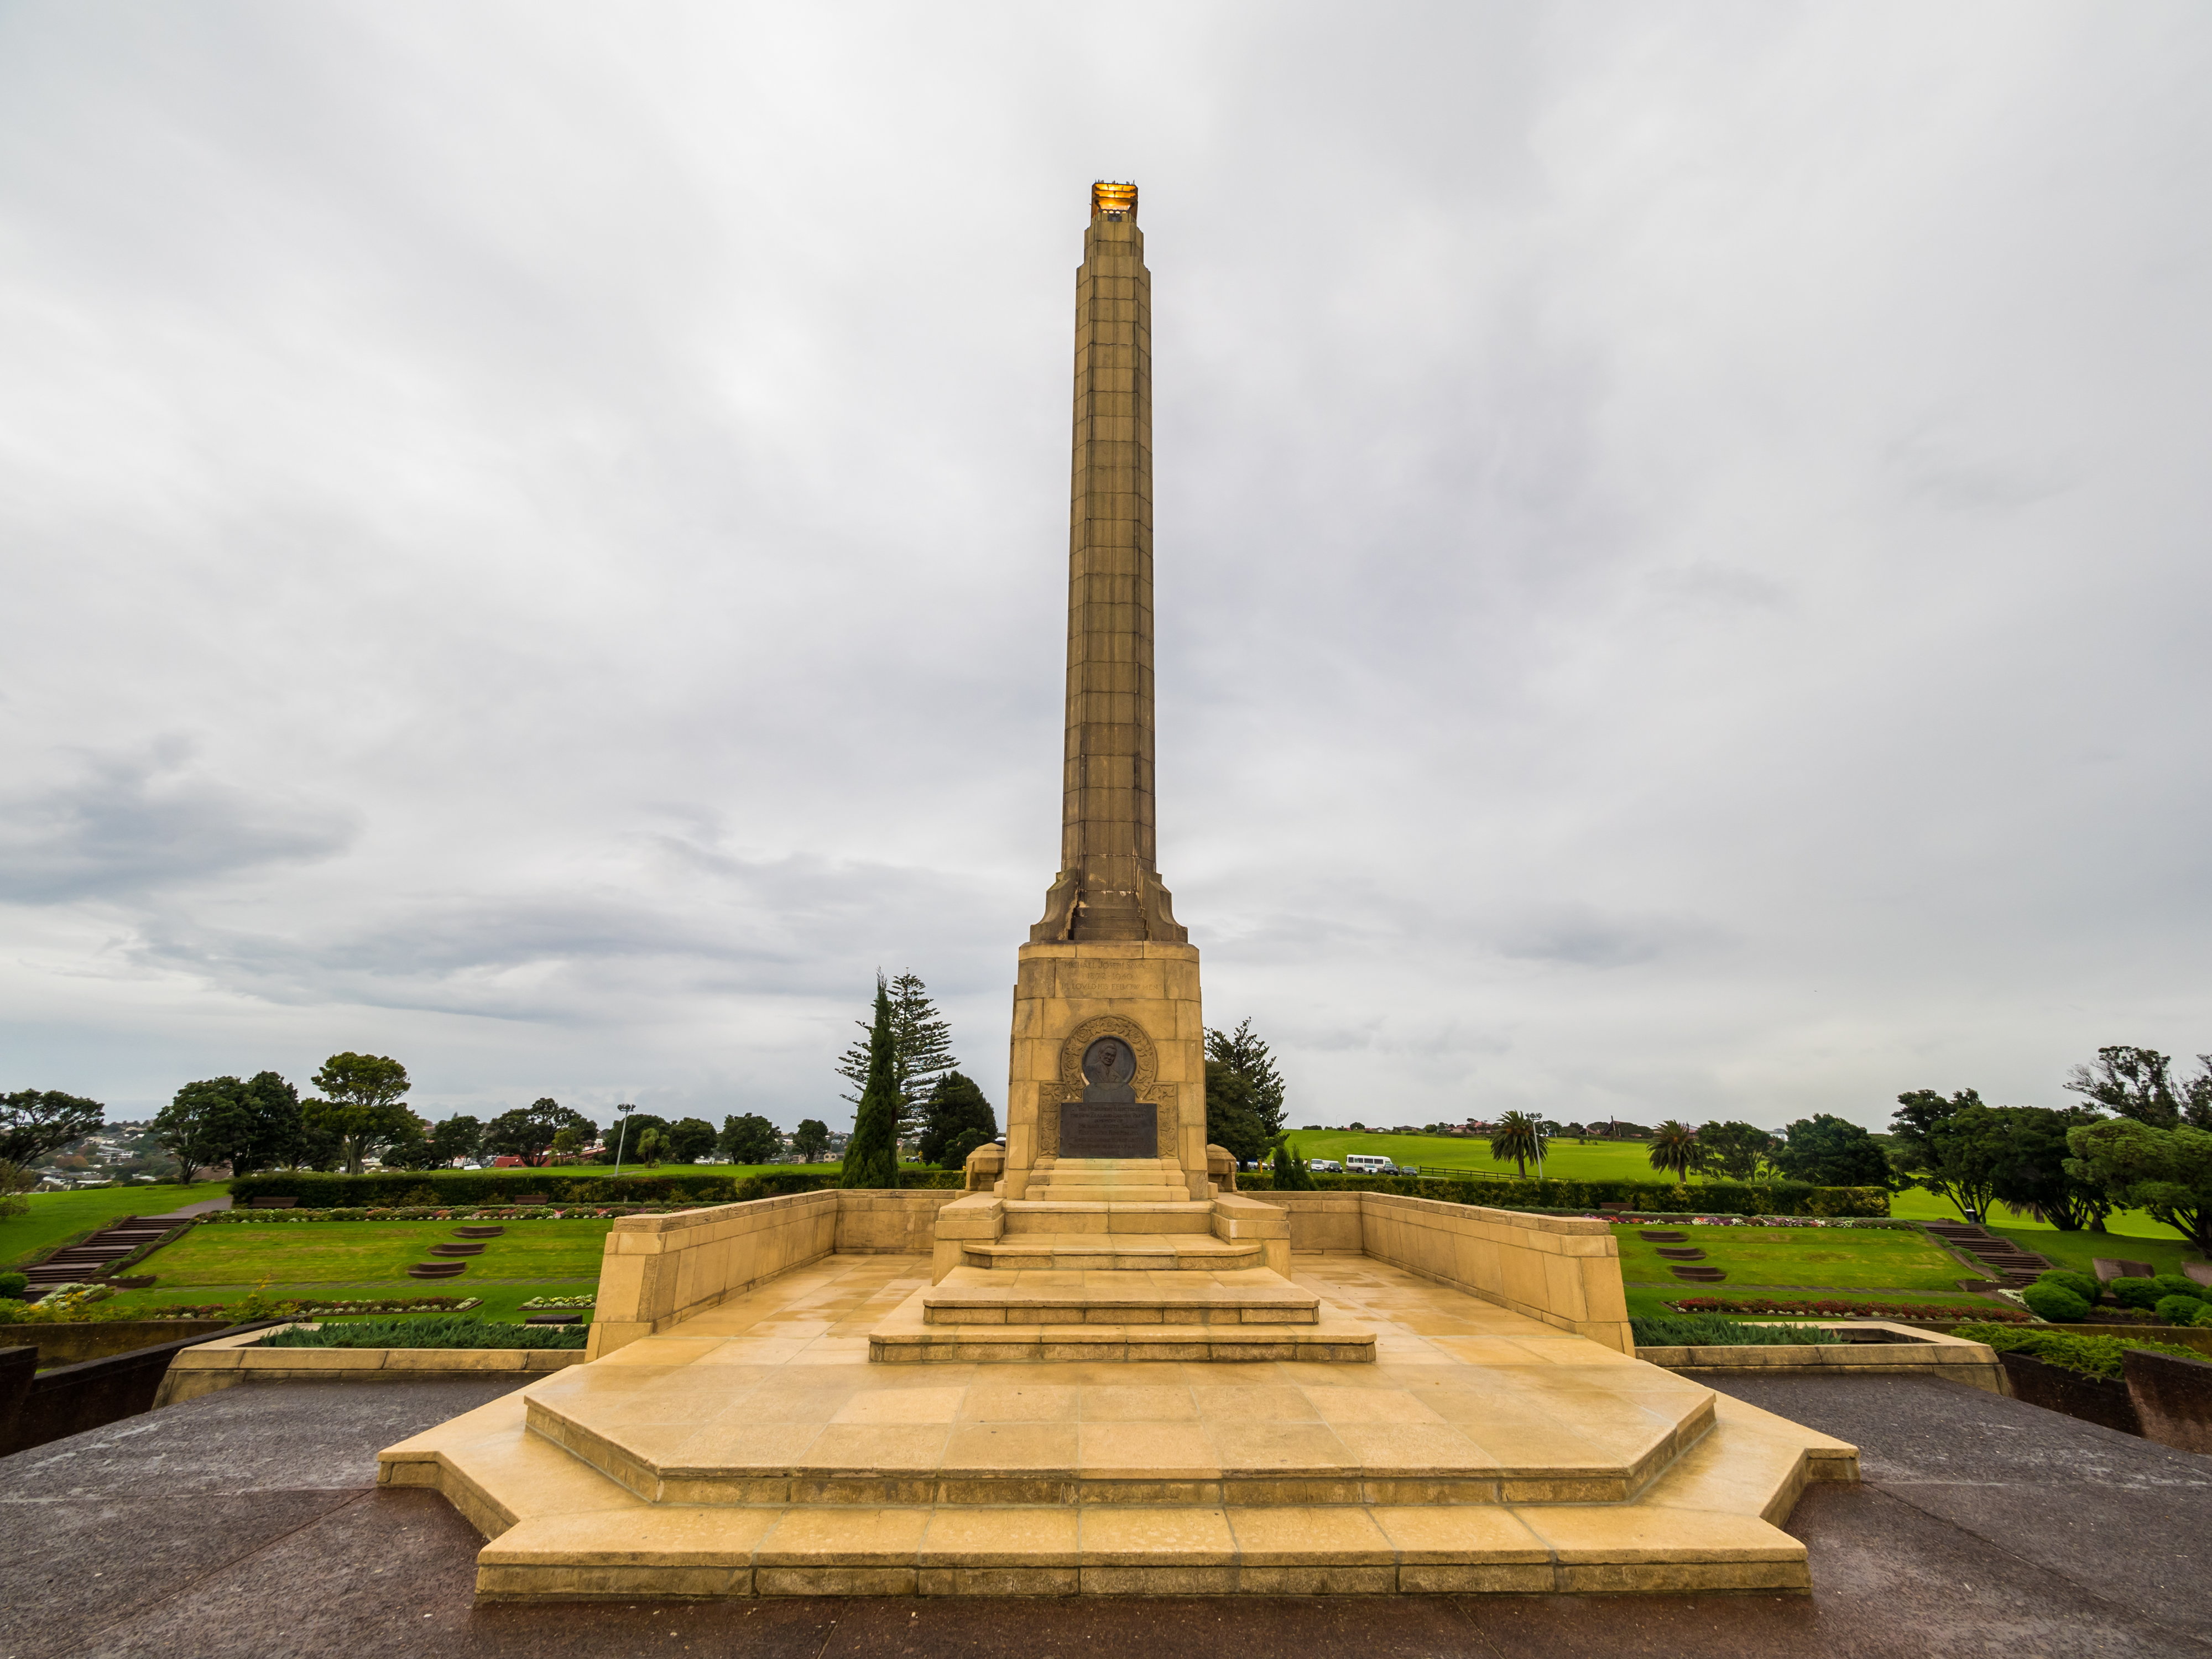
(621, 1135)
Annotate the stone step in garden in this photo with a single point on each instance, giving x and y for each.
(1105, 1216)
(1102, 1251)
(971, 1296)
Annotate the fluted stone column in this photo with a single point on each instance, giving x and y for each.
(1109, 955)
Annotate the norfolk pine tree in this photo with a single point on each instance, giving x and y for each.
(872, 1155)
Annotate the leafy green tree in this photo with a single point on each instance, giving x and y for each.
(2032, 1172)
(1737, 1152)
(1245, 1055)
(1231, 1121)
(361, 1105)
(1292, 1174)
(751, 1139)
(688, 1140)
(527, 1131)
(1831, 1152)
(621, 1142)
(457, 1137)
(275, 1104)
(1954, 1148)
(35, 1121)
(1675, 1149)
(921, 1050)
(2167, 1172)
(648, 1150)
(1517, 1139)
(410, 1148)
(206, 1124)
(569, 1142)
(2135, 1083)
(872, 1155)
(955, 1121)
(810, 1139)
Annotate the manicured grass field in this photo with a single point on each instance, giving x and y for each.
(370, 1252)
(2074, 1251)
(1814, 1258)
(57, 1218)
(294, 1259)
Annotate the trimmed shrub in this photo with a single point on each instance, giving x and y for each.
(2084, 1286)
(2055, 1304)
(2136, 1292)
(2204, 1314)
(2179, 1309)
(569, 1184)
(14, 1284)
(1663, 1198)
(2092, 1356)
(1713, 1331)
(2178, 1285)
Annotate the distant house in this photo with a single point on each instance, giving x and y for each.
(507, 1161)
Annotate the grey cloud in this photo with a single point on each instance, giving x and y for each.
(128, 826)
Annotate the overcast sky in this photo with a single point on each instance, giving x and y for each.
(535, 537)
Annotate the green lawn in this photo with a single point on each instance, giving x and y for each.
(57, 1218)
(1563, 1160)
(1814, 1258)
(359, 1260)
(2074, 1251)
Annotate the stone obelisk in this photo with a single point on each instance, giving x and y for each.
(1108, 963)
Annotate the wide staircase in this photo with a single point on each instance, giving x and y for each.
(94, 1258)
(1111, 1258)
(2012, 1267)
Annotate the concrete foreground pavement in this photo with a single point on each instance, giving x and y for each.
(247, 1523)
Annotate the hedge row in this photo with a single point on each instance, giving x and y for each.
(577, 1184)
(1716, 1198)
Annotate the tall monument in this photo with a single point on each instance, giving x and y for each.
(1109, 964)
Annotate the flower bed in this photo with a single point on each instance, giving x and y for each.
(548, 1303)
(1847, 1308)
(450, 1331)
(461, 1214)
(86, 1304)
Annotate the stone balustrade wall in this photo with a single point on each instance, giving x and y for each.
(1563, 1270)
(659, 1269)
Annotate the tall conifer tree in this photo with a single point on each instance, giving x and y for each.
(872, 1155)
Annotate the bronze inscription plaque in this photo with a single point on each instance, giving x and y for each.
(1099, 1129)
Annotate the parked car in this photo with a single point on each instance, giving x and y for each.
(1325, 1166)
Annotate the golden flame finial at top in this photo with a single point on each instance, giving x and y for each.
(1114, 199)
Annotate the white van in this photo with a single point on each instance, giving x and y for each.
(1367, 1164)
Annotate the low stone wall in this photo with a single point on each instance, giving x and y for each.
(1322, 1224)
(92, 1393)
(902, 1222)
(2103, 1400)
(659, 1269)
(1563, 1270)
(1908, 1353)
(96, 1339)
(209, 1367)
(2173, 1398)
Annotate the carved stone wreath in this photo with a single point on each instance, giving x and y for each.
(1114, 1025)
(1148, 1088)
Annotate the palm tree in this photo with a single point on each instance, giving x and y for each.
(1675, 1149)
(1519, 1136)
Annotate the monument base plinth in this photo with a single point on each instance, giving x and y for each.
(1069, 997)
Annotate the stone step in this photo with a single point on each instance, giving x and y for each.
(904, 1339)
(1025, 1216)
(1103, 1251)
(1105, 1196)
(973, 1296)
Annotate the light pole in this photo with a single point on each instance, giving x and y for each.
(621, 1136)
